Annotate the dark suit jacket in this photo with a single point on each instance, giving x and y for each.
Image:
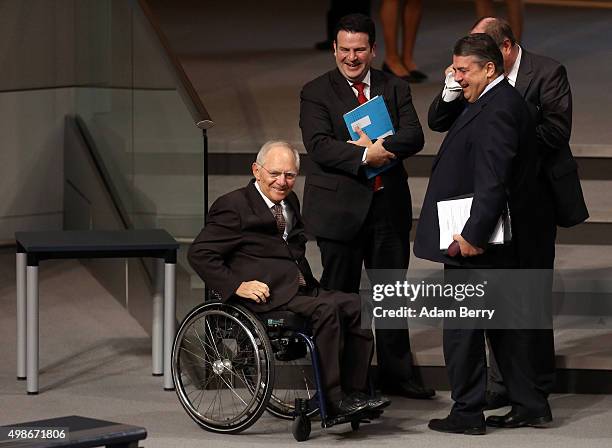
(488, 152)
(240, 242)
(543, 84)
(337, 194)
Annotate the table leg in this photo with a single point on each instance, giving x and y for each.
(169, 321)
(157, 326)
(21, 315)
(32, 330)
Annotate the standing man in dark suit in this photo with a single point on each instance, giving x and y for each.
(544, 85)
(359, 221)
(489, 153)
(252, 249)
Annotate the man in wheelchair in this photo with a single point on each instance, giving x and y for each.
(252, 249)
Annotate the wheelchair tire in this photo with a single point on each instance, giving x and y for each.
(223, 367)
(301, 428)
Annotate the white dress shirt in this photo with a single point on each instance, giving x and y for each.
(492, 84)
(515, 68)
(287, 212)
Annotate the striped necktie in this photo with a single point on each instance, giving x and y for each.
(281, 225)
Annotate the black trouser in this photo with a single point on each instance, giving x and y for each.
(377, 246)
(465, 357)
(541, 256)
(345, 349)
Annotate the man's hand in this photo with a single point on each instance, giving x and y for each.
(377, 154)
(363, 140)
(467, 250)
(253, 290)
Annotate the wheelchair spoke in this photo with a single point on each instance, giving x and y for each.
(212, 337)
(202, 344)
(199, 357)
(231, 389)
(205, 344)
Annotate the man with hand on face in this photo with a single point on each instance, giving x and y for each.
(488, 152)
(252, 249)
(543, 83)
(357, 220)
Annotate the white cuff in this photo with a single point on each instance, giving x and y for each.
(364, 156)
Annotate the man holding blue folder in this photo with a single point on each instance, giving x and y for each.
(357, 218)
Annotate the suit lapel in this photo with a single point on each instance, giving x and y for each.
(525, 73)
(377, 83)
(343, 90)
(472, 112)
(259, 207)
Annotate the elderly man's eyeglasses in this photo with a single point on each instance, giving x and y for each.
(289, 175)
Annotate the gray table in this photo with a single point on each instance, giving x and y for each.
(78, 432)
(33, 247)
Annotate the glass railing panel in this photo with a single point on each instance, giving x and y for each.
(142, 123)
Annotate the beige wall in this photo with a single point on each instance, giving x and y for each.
(37, 57)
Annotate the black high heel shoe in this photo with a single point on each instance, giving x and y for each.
(414, 76)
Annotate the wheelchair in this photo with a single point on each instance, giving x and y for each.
(230, 365)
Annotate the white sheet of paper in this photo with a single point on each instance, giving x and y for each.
(452, 216)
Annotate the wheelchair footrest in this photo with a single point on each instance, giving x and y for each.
(361, 417)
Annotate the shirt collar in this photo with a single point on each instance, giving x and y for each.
(492, 84)
(269, 203)
(365, 80)
(515, 67)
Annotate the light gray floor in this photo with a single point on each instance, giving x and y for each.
(95, 361)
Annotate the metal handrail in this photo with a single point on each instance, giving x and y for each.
(190, 97)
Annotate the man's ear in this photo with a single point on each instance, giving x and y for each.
(334, 46)
(506, 46)
(491, 70)
(374, 50)
(255, 169)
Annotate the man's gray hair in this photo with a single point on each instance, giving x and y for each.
(498, 28)
(267, 146)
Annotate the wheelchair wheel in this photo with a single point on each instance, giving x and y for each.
(297, 383)
(223, 368)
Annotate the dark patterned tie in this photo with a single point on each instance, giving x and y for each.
(281, 224)
(361, 98)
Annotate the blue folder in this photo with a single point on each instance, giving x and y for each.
(373, 119)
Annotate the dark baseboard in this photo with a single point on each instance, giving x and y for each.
(568, 381)
(419, 165)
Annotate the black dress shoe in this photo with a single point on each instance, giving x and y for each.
(415, 76)
(408, 389)
(385, 68)
(374, 402)
(349, 405)
(456, 425)
(496, 401)
(515, 419)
